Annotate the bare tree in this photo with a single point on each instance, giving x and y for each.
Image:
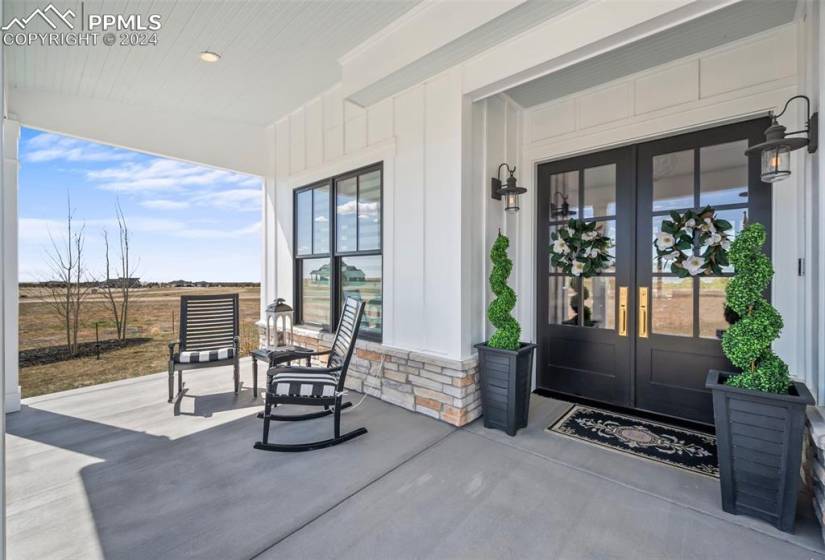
(117, 291)
(68, 287)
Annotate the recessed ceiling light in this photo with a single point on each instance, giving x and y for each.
(209, 56)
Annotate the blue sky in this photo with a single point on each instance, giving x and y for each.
(186, 221)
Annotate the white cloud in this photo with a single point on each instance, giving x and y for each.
(167, 175)
(163, 204)
(233, 199)
(209, 233)
(38, 230)
(49, 147)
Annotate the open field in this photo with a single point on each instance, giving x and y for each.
(153, 315)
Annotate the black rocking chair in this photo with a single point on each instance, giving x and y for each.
(208, 337)
(315, 386)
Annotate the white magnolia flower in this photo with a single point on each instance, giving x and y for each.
(708, 226)
(664, 240)
(593, 253)
(691, 223)
(590, 235)
(578, 268)
(560, 247)
(714, 239)
(694, 265)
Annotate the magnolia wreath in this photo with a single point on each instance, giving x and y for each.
(580, 248)
(678, 236)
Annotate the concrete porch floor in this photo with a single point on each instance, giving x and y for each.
(113, 471)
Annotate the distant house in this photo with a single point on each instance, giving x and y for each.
(320, 274)
(118, 282)
(353, 274)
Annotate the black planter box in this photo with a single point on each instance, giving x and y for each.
(759, 443)
(504, 376)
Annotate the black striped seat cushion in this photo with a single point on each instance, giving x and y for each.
(303, 384)
(196, 357)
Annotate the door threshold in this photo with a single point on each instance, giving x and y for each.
(645, 414)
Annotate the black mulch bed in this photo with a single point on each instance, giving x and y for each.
(54, 354)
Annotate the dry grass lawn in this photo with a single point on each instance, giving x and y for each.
(152, 313)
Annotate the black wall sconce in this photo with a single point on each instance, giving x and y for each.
(560, 210)
(510, 192)
(777, 147)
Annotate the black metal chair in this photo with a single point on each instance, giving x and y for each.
(208, 337)
(315, 386)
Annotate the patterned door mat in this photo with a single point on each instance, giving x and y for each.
(676, 447)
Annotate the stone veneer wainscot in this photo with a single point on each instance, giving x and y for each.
(439, 387)
(813, 460)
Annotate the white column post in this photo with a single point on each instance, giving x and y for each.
(11, 137)
(2, 317)
(268, 226)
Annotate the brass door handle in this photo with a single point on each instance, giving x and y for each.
(623, 311)
(643, 296)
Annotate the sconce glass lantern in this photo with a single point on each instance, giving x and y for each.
(777, 147)
(278, 336)
(510, 192)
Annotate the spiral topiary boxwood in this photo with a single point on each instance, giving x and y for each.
(508, 331)
(747, 343)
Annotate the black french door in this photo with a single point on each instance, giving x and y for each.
(638, 336)
(584, 348)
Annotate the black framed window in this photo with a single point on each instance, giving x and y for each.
(338, 249)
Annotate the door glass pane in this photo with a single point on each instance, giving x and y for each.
(600, 191)
(663, 266)
(369, 211)
(564, 187)
(562, 309)
(315, 291)
(673, 181)
(605, 227)
(712, 306)
(303, 217)
(724, 174)
(361, 279)
(599, 302)
(320, 220)
(738, 218)
(553, 229)
(345, 214)
(672, 310)
(608, 228)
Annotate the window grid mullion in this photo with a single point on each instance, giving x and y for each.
(333, 260)
(697, 187)
(357, 202)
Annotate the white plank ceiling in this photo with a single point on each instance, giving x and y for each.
(275, 54)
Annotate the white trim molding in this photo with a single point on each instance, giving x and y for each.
(11, 138)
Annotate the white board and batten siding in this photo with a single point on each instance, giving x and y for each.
(735, 82)
(417, 136)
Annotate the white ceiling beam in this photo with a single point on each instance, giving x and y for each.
(194, 138)
(423, 30)
(579, 34)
